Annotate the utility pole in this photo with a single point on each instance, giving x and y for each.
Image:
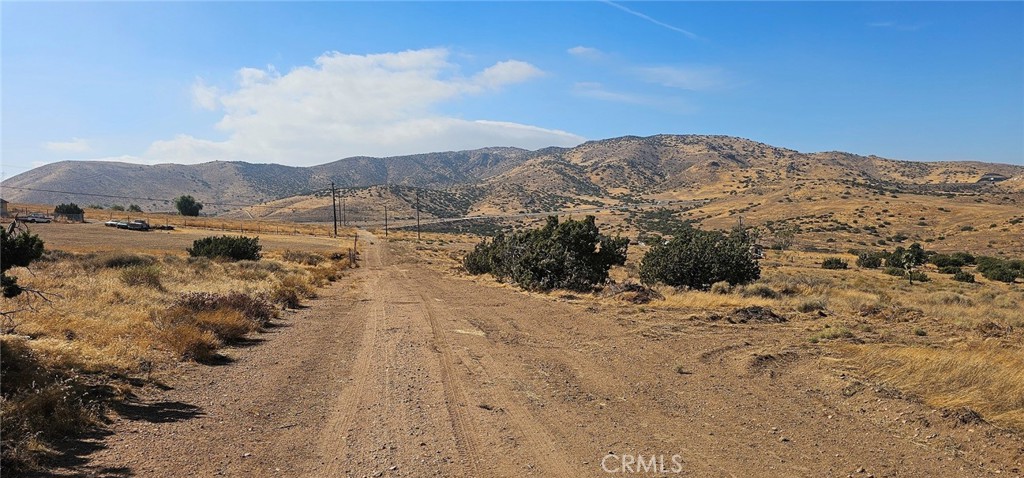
(334, 209)
(385, 221)
(344, 213)
(417, 215)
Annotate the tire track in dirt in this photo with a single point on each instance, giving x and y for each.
(336, 434)
(465, 432)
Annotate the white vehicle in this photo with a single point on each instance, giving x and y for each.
(35, 217)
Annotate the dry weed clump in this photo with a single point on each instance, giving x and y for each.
(37, 405)
(114, 260)
(303, 257)
(255, 309)
(148, 276)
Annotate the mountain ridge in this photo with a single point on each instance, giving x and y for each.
(626, 165)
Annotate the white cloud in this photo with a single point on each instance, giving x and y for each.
(204, 96)
(599, 92)
(586, 52)
(693, 78)
(76, 145)
(346, 105)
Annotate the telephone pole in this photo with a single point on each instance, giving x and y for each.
(417, 215)
(334, 209)
(344, 213)
(385, 221)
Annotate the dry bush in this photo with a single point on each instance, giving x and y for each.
(255, 309)
(721, 287)
(225, 323)
(758, 290)
(302, 257)
(949, 298)
(148, 276)
(986, 377)
(189, 342)
(113, 260)
(285, 297)
(289, 291)
(813, 304)
(37, 405)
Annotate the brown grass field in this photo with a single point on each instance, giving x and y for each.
(110, 306)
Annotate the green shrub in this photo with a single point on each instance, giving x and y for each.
(696, 259)
(1000, 273)
(16, 250)
(870, 260)
(918, 276)
(227, 247)
(834, 263)
(950, 270)
(481, 259)
(950, 260)
(895, 271)
(1003, 270)
(570, 255)
(964, 277)
(70, 208)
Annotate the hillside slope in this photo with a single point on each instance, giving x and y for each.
(509, 179)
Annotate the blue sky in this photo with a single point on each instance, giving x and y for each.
(307, 83)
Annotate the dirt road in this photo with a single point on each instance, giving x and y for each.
(404, 370)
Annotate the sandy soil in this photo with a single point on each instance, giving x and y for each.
(404, 370)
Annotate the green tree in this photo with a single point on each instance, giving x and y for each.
(697, 259)
(188, 206)
(69, 208)
(569, 255)
(134, 208)
(16, 250)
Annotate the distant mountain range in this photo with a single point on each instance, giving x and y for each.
(504, 178)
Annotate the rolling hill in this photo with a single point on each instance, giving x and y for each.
(833, 198)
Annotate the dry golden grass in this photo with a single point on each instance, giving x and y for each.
(987, 377)
(120, 313)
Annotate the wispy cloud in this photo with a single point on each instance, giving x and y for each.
(76, 145)
(687, 33)
(598, 91)
(896, 26)
(694, 78)
(586, 52)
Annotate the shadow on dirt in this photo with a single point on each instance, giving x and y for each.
(71, 456)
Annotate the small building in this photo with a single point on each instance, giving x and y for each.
(3, 207)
